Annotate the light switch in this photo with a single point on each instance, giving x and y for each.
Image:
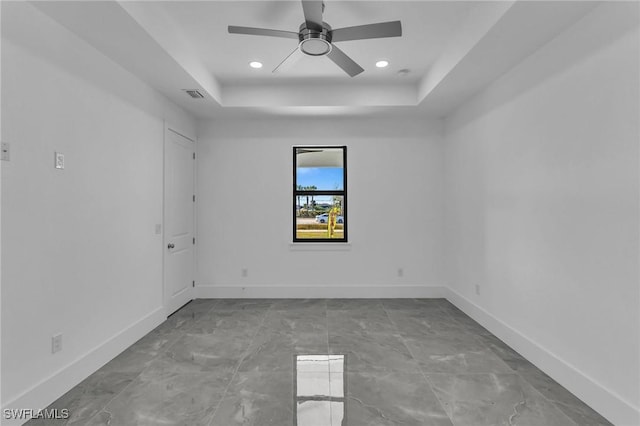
(59, 160)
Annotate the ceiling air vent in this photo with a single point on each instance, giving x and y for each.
(194, 94)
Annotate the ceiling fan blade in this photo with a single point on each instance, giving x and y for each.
(291, 59)
(262, 31)
(343, 61)
(360, 32)
(313, 14)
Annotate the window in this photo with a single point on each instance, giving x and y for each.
(320, 194)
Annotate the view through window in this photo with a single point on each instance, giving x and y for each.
(320, 193)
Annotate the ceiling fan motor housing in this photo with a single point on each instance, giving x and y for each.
(314, 42)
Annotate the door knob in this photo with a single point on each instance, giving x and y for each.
(170, 246)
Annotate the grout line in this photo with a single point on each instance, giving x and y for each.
(154, 358)
(481, 341)
(215, 305)
(104, 407)
(486, 346)
(439, 310)
(235, 372)
(535, 390)
(424, 376)
(184, 330)
(465, 328)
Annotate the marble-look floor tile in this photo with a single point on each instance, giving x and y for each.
(308, 305)
(161, 396)
(179, 321)
(372, 321)
(243, 304)
(354, 304)
(129, 361)
(369, 352)
(453, 352)
(231, 362)
(426, 325)
(138, 356)
(482, 361)
(257, 399)
(200, 305)
(392, 398)
(424, 305)
(269, 352)
(437, 302)
(296, 321)
(374, 312)
(157, 341)
(502, 350)
(450, 308)
(581, 413)
(305, 343)
(199, 352)
(243, 321)
(568, 403)
(87, 398)
(190, 313)
(443, 344)
(468, 323)
(494, 399)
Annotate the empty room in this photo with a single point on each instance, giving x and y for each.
(320, 213)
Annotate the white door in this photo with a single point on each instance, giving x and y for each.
(179, 242)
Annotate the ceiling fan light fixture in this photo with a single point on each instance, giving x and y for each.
(313, 42)
(382, 64)
(255, 64)
(315, 46)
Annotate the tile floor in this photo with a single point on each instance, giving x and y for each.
(321, 362)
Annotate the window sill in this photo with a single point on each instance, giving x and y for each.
(319, 246)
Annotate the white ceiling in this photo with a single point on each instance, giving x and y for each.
(451, 49)
(427, 27)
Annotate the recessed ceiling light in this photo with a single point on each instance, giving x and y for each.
(382, 64)
(255, 64)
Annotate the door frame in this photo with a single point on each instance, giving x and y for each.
(173, 129)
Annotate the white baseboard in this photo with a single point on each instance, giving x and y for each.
(316, 292)
(56, 385)
(604, 401)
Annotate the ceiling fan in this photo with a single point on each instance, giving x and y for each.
(316, 37)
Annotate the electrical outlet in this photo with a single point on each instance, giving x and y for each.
(59, 160)
(400, 272)
(56, 343)
(244, 272)
(478, 289)
(6, 152)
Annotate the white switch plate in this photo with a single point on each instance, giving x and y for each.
(59, 160)
(6, 152)
(158, 228)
